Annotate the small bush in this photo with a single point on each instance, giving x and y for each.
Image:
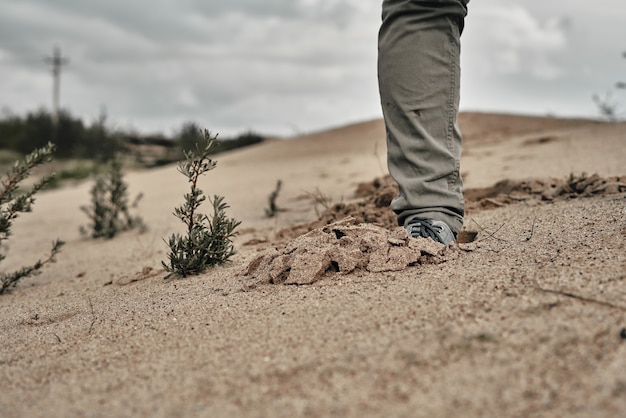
(272, 209)
(110, 209)
(320, 199)
(13, 202)
(209, 239)
(607, 107)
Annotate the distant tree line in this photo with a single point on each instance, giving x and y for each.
(72, 137)
(96, 141)
(191, 134)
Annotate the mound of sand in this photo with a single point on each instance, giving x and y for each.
(343, 247)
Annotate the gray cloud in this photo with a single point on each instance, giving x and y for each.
(170, 61)
(513, 41)
(541, 57)
(279, 64)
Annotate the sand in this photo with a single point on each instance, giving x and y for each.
(526, 320)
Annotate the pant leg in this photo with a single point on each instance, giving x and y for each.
(418, 75)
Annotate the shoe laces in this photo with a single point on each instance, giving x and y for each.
(425, 228)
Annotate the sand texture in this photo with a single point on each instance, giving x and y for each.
(327, 309)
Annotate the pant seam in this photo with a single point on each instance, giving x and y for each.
(450, 116)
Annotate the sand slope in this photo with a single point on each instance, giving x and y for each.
(525, 322)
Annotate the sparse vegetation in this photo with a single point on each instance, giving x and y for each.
(79, 171)
(319, 199)
(74, 170)
(109, 211)
(574, 178)
(273, 208)
(607, 106)
(13, 202)
(208, 240)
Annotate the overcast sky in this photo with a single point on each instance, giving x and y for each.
(292, 66)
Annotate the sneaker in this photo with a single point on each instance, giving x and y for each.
(429, 228)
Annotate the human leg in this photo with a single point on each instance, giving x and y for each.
(419, 74)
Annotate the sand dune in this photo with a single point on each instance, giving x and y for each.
(525, 321)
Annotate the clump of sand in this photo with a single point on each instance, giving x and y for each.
(543, 190)
(344, 247)
(375, 197)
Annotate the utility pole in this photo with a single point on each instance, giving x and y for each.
(57, 61)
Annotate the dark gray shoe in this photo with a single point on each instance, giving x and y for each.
(429, 228)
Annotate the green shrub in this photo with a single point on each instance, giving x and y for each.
(109, 211)
(14, 201)
(208, 241)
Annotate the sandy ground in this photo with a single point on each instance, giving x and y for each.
(525, 321)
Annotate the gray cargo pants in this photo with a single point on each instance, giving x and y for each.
(418, 76)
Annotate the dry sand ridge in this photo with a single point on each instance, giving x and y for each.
(527, 319)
